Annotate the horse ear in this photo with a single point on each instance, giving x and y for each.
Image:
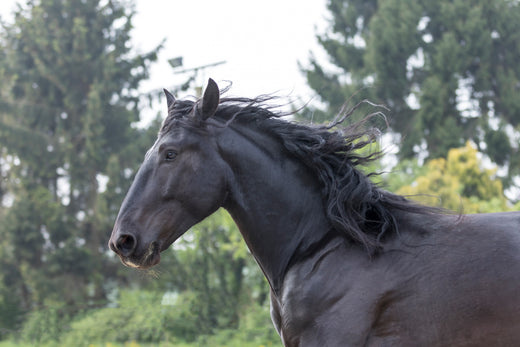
(170, 99)
(209, 103)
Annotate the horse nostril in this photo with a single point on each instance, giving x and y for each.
(125, 244)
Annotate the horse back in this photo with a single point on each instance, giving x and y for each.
(459, 284)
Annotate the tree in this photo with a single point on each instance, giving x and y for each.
(458, 182)
(447, 69)
(67, 101)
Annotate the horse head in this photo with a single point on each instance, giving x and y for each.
(181, 181)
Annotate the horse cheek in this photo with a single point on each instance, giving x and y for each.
(208, 195)
(184, 187)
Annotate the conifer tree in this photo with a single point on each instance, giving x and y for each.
(68, 98)
(448, 70)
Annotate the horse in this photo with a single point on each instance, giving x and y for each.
(348, 263)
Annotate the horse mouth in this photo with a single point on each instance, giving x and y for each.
(151, 257)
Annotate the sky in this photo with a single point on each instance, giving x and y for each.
(261, 42)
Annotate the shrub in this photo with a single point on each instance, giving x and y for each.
(44, 326)
(139, 317)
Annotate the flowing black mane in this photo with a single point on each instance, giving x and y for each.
(355, 206)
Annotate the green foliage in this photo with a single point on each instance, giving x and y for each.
(255, 330)
(10, 307)
(458, 183)
(44, 326)
(68, 99)
(138, 317)
(456, 59)
(144, 318)
(10, 343)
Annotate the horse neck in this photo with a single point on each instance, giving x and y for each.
(275, 202)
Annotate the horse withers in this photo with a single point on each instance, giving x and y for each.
(348, 263)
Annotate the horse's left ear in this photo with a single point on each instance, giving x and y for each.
(207, 106)
(170, 100)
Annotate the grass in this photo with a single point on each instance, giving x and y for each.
(131, 344)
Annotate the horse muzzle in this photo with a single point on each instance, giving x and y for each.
(126, 247)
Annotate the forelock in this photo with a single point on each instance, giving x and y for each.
(180, 109)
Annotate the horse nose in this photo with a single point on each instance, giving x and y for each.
(124, 245)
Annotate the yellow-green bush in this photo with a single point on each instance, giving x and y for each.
(459, 183)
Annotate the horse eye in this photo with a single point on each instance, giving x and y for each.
(170, 155)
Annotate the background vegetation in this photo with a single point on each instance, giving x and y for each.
(69, 105)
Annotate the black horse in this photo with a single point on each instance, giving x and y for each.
(349, 264)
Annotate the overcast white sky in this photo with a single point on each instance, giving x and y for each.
(261, 41)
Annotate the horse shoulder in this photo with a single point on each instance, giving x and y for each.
(330, 298)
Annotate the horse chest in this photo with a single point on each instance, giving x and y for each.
(304, 323)
(324, 304)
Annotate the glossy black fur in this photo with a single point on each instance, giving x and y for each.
(349, 264)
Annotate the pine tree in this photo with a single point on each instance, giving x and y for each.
(447, 70)
(67, 101)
